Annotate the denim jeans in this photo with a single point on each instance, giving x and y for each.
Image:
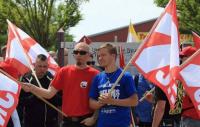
(189, 122)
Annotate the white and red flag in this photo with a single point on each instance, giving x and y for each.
(157, 58)
(189, 75)
(21, 48)
(196, 40)
(9, 95)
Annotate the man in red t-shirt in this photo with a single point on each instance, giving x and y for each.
(74, 81)
(189, 117)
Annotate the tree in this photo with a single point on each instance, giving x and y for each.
(41, 18)
(188, 13)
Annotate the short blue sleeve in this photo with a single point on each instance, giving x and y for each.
(94, 94)
(130, 84)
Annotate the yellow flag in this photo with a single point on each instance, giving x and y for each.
(132, 36)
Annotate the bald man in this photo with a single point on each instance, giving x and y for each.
(74, 81)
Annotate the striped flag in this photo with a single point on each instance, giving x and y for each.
(9, 95)
(157, 58)
(22, 51)
(189, 75)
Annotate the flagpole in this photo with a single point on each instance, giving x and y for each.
(141, 99)
(141, 45)
(26, 56)
(44, 100)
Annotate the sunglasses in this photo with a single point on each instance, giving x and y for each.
(76, 52)
(90, 62)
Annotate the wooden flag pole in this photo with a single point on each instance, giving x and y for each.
(26, 56)
(141, 99)
(48, 103)
(141, 45)
(120, 76)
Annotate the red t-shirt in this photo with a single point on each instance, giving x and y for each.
(75, 85)
(189, 109)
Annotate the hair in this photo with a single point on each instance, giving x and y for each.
(111, 48)
(41, 57)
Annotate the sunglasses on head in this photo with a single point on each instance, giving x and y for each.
(90, 62)
(76, 52)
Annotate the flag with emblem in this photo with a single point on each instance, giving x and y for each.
(9, 95)
(157, 58)
(189, 75)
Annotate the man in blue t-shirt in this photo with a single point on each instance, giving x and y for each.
(114, 109)
(143, 111)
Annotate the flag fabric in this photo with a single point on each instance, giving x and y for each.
(189, 75)
(9, 95)
(196, 40)
(132, 35)
(157, 58)
(21, 48)
(121, 57)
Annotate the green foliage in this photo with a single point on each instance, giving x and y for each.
(41, 19)
(188, 13)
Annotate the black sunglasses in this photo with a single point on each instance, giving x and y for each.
(90, 62)
(76, 52)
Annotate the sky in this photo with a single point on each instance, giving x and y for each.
(103, 15)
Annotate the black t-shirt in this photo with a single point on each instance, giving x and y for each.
(160, 95)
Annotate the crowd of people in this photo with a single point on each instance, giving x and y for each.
(83, 92)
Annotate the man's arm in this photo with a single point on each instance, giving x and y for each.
(91, 120)
(130, 101)
(46, 93)
(94, 104)
(158, 113)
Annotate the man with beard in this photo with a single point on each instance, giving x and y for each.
(74, 81)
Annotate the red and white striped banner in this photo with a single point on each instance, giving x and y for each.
(157, 57)
(9, 95)
(21, 46)
(189, 75)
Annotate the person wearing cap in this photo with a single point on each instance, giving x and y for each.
(189, 117)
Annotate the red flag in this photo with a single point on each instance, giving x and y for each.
(189, 74)
(157, 57)
(10, 69)
(196, 40)
(121, 57)
(21, 48)
(9, 94)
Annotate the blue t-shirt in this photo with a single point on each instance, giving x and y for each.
(144, 109)
(111, 115)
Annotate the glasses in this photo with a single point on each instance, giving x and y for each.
(76, 52)
(90, 62)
